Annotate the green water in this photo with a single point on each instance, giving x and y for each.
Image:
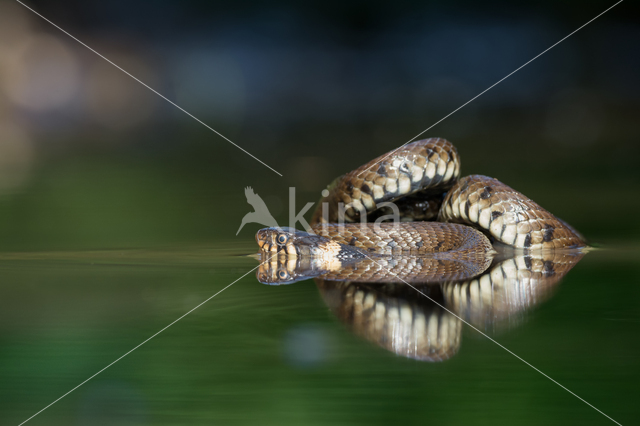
(258, 354)
(97, 254)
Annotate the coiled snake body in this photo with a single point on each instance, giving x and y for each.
(422, 180)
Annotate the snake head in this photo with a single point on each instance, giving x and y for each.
(290, 241)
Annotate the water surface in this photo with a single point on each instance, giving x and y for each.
(258, 354)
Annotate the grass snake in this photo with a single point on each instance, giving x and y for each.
(439, 213)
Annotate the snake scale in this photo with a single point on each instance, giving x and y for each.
(439, 212)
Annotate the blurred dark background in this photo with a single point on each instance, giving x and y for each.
(89, 158)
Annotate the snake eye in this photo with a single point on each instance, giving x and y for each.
(282, 275)
(282, 238)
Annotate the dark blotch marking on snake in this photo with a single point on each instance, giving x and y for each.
(486, 193)
(548, 234)
(430, 153)
(382, 171)
(495, 214)
(466, 208)
(548, 267)
(366, 189)
(527, 262)
(464, 186)
(353, 240)
(440, 243)
(349, 187)
(419, 244)
(527, 241)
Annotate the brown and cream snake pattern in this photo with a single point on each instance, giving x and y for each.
(465, 249)
(422, 180)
